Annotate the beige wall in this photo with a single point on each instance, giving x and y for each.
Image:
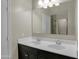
(21, 22)
(71, 19)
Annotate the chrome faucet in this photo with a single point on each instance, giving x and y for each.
(58, 42)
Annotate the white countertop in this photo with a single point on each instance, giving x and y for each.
(70, 49)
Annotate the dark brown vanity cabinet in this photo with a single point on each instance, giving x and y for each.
(26, 52)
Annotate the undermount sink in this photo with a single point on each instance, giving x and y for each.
(56, 46)
(36, 41)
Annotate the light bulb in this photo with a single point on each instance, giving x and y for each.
(40, 3)
(50, 4)
(57, 4)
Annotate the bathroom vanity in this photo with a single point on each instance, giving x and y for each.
(31, 48)
(26, 52)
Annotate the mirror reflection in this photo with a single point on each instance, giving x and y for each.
(54, 16)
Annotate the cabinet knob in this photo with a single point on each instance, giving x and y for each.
(26, 55)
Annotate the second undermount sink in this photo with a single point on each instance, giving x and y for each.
(56, 46)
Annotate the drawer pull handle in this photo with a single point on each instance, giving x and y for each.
(26, 55)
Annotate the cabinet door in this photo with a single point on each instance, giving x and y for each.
(48, 55)
(26, 52)
(41, 55)
(23, 52)
(32, 53)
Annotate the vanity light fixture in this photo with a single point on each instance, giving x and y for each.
(48, 3)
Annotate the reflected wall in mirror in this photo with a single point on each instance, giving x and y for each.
(57, 19)
(58, 26)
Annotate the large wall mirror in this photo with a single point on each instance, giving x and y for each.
(54, 17)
